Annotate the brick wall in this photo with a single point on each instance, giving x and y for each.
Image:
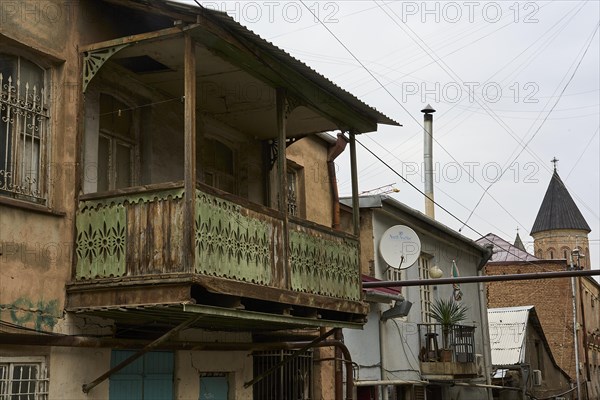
(552, 299)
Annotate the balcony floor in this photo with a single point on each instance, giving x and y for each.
(225, 305)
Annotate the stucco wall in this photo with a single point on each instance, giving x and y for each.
(35, 247)
(310, 153)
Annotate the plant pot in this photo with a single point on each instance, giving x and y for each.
(445, 355)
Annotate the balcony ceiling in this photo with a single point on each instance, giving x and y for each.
(226, 92)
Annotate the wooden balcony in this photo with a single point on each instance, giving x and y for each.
(131, 250)
(447, 354)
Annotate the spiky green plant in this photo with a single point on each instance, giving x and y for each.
(448, 313)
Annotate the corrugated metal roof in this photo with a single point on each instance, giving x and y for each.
(508, 329)
(504, 251)
(558, 210)
(238, 29)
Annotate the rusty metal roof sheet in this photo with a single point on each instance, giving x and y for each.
(558, 210)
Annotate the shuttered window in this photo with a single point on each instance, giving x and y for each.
(150, 377)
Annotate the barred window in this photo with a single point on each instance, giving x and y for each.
(23, 378)
(23, 129)
(291, 381)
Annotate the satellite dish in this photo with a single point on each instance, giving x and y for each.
(400, 246)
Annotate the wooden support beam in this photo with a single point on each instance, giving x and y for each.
(354, 174)
(89, 386)
(189, 175)
(160, 34)
(281, 104)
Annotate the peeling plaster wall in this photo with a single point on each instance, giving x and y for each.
(189, 365)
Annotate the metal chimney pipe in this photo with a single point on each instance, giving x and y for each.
(428, 160)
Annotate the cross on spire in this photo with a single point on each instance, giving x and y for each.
(554, 161)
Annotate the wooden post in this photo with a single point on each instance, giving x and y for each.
(189, 175)
(281, 105)
(354, 173)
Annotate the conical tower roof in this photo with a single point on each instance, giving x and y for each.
(558, 210)
(519, 243)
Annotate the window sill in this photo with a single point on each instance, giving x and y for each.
(6, 201)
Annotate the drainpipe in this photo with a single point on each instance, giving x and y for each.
(428, 160)
(334, 152)
(382, 347)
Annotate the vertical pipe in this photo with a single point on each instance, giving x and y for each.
(428, 160)
(354, 173)
(382, 363)
(575, 339)
(189, 173)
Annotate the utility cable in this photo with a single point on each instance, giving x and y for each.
(509, 162)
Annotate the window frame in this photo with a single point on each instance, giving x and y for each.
(42, 111)
(116, 139)
(425, 291)
(41, 381)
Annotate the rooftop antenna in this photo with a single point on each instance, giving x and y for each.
(385, 189)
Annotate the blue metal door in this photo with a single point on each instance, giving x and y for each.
(150, 377)
(214, 388)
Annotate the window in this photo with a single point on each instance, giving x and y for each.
(291, 381)
(147, 378)
(425, 291)
(23, 378)
(23, 129)
(219, 165)
(116, 144)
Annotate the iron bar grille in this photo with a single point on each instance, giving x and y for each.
(23, 381)
(458, 338)
(291, 381)
(23, 131)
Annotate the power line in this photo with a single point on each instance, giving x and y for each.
(509, 162)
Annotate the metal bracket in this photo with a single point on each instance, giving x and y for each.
(274, 149)
(93, 61)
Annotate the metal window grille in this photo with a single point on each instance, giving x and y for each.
(292, 381)
(23, 381)
(23, 130)
(425, 291)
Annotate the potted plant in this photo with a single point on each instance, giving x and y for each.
(447, 313)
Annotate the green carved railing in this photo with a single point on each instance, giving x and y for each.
(137, 233)
(323, 262)
(233, 242)
(141, 234)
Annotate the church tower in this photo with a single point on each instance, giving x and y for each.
(559, 227)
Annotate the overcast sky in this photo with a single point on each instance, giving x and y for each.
(514, 85)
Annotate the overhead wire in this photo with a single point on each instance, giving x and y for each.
(511, 160)
(418, 122)
(483, 105)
